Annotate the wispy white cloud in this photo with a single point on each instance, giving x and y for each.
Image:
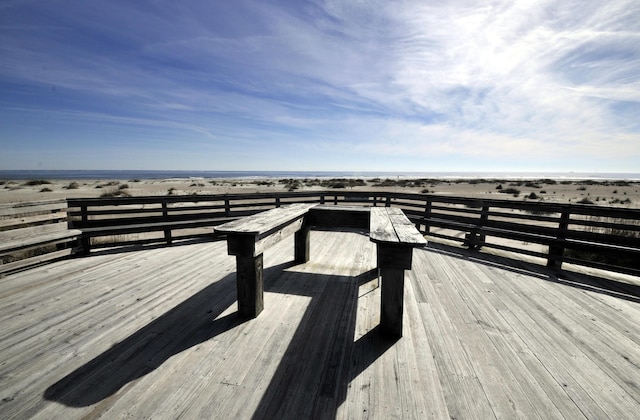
(494, 81)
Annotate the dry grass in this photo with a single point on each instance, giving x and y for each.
(610, 258)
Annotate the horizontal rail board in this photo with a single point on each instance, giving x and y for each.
(15, 223)
(150, 227)
(113, 212)
(445, 236)
(523, 251)
(151, 219)
(616, 225)
(16, 209)
(156, 240)
(601, 266)
(601, 248)
(39, 259)
(605, 239)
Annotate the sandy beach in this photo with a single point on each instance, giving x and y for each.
(603, 193)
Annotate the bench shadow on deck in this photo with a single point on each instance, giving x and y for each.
(316, 371)
(333, 311)
(149, 347)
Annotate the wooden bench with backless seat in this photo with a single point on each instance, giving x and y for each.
(394, 235)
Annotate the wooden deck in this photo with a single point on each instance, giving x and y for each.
(154, 334)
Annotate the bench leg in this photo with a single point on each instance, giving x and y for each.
(302, 245)
(85, 245)
(392, 262)
(250, 285)
(392, 301)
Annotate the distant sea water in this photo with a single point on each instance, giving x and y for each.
(150, 175)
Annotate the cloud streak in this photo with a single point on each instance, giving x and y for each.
(405, 85)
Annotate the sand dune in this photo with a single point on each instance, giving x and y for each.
(608, 193)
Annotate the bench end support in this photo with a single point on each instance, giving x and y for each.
(85, 245)
(250, 283)
(392, 302)
(302, 245)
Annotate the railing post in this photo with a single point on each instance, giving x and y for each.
(85, 241)
(556, 249)
(388, 202)
(322, 199)
(277, 201)
(480, 236)
(165, 214)
(83, 211)
(475, 238)
(227, 207)
(427, 215)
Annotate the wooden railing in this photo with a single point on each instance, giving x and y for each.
(34, 233)
(588, 235)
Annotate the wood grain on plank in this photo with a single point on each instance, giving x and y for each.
(266, 221)
(154, 333)
(389, 224)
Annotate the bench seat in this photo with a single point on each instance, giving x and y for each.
(389, 225)
(262, 224)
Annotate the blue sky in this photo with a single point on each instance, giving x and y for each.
(415, 85)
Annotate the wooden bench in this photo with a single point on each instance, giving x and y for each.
(247, 239)
(394, 235)
(35, 232)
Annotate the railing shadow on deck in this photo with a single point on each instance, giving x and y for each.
(617, 289)
(322, 353)
(121, 249)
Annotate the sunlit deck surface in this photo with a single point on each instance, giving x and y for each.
(153, 333)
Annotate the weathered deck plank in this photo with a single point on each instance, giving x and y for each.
(154, 333)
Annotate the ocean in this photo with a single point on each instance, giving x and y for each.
(157, 174)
